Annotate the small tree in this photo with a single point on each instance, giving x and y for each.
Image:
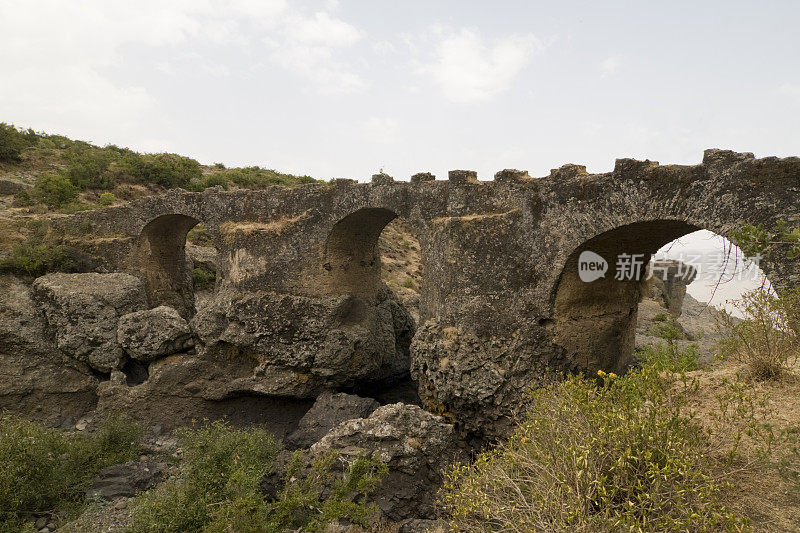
(767, 340)
(55, 190)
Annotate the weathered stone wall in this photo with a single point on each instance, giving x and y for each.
(299, 306)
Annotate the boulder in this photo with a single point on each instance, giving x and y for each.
(153, 333)
(330, 410)
(38, 381)
(126, 479)
(302, 345)
(83, 310)
(415, 445)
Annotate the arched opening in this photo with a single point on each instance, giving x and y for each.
(352, 258)
(372, 259)
(161, 258)
(615, 285)
(595, 310)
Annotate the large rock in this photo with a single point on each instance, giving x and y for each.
(153, 333)
(415, 445)
(299, 346)
(126, 479)
(37, 380)
(83, 310)
(330, 410)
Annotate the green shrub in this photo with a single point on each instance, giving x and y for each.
(408, 283)
(257, 178)
(665, 358)
(89, 169)
(203, 279)
(107, 198)
(37, 259)
(768, 339)
(55, 190)
(167, 170)
(23, 199)
(199, 236)
(46, 471)
(12, 143)
(216, 180)
(217, 488)
(602, 458)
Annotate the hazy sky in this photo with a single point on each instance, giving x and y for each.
(343, 88)
(340, 88)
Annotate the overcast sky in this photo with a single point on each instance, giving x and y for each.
(343, 88)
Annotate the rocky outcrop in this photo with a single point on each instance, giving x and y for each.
(300, 346)
(415, 445)
(153, 333)
(83, 310)
(329, 410)
(36, 379)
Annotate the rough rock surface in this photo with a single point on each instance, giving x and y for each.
(153, 333)
(36, 379)
(329, 411)
(126, 479)
(300, 346)
(83, 310)
(415, 445)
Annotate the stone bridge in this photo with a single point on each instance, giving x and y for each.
(299, 305)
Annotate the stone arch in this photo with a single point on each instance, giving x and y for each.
(160, 257)
(595, 321)
(351, 259)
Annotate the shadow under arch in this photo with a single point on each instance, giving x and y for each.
(160, 257)
(595, 321)
(352, 260)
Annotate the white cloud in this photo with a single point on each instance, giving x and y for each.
(467, 70)
(308, 45)
(610, 64)
(59, 58)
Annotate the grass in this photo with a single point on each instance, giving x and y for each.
(47, 472)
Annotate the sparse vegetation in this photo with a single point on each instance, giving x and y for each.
(768, 339)
(203, 279)
(668, 355)
(218, 488)
(45, 471)
(619, 456)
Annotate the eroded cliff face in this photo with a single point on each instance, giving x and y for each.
(299, 305)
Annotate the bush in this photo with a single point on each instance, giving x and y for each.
(768, 339)
(107, 199)
(666, 358)
(408, 283)
(613, 457)
(167, 170)
(12, 143)
(23, 199)
(203, 279)
(36, 259)
(258, 178)
(55, 190)
(217, 489)
(46, 471)
(199, 236)
(89, 169)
